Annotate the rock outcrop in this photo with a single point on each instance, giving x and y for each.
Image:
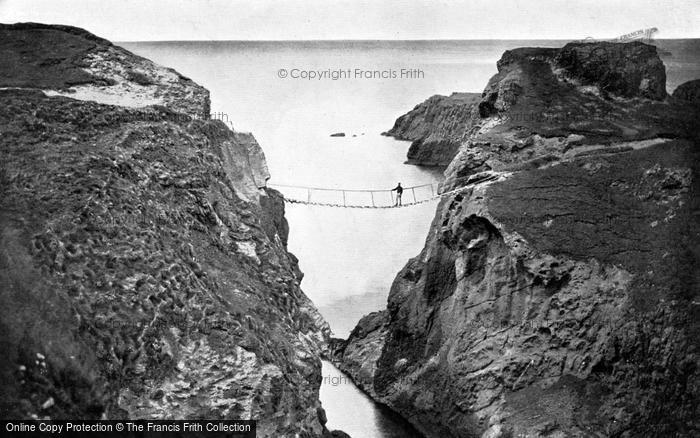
(69, 61)
(436, 128)
(143, 262)
(560, 297)
(627, 70)
(689, 92)
(360, 353)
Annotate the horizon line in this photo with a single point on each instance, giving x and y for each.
(381, 40)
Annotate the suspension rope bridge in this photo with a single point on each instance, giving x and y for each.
(353, 198)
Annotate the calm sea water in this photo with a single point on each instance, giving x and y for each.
(350, 410)
(350, 257)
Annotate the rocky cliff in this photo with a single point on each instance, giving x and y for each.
(69, 61)
(560, 297)
(436, 128)
(143, 263)
(689, 91)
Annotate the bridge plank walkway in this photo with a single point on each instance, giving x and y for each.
(373, 199)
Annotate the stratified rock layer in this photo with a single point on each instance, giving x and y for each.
(560, 297)
(143, 262)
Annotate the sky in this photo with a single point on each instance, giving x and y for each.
(159, 20)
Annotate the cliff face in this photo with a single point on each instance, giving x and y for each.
(560, 298)
(436, 127)
(143, 261)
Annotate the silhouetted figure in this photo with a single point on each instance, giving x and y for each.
(399, 192)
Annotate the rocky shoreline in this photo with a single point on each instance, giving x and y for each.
(144, 262)
(561, 298)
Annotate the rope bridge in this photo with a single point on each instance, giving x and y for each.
(351, 198)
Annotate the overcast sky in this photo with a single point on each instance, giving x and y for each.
(141, 20)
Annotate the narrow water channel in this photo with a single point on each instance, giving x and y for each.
(349, 257)
(355, 413)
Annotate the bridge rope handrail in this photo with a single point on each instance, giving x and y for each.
(435, 194)
(327, 189)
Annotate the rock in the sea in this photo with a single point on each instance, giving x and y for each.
(558, 297)
(336, 434)
(143, 260)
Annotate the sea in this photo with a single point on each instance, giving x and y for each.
(292, 95)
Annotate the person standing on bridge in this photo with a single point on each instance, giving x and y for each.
(399, 191)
